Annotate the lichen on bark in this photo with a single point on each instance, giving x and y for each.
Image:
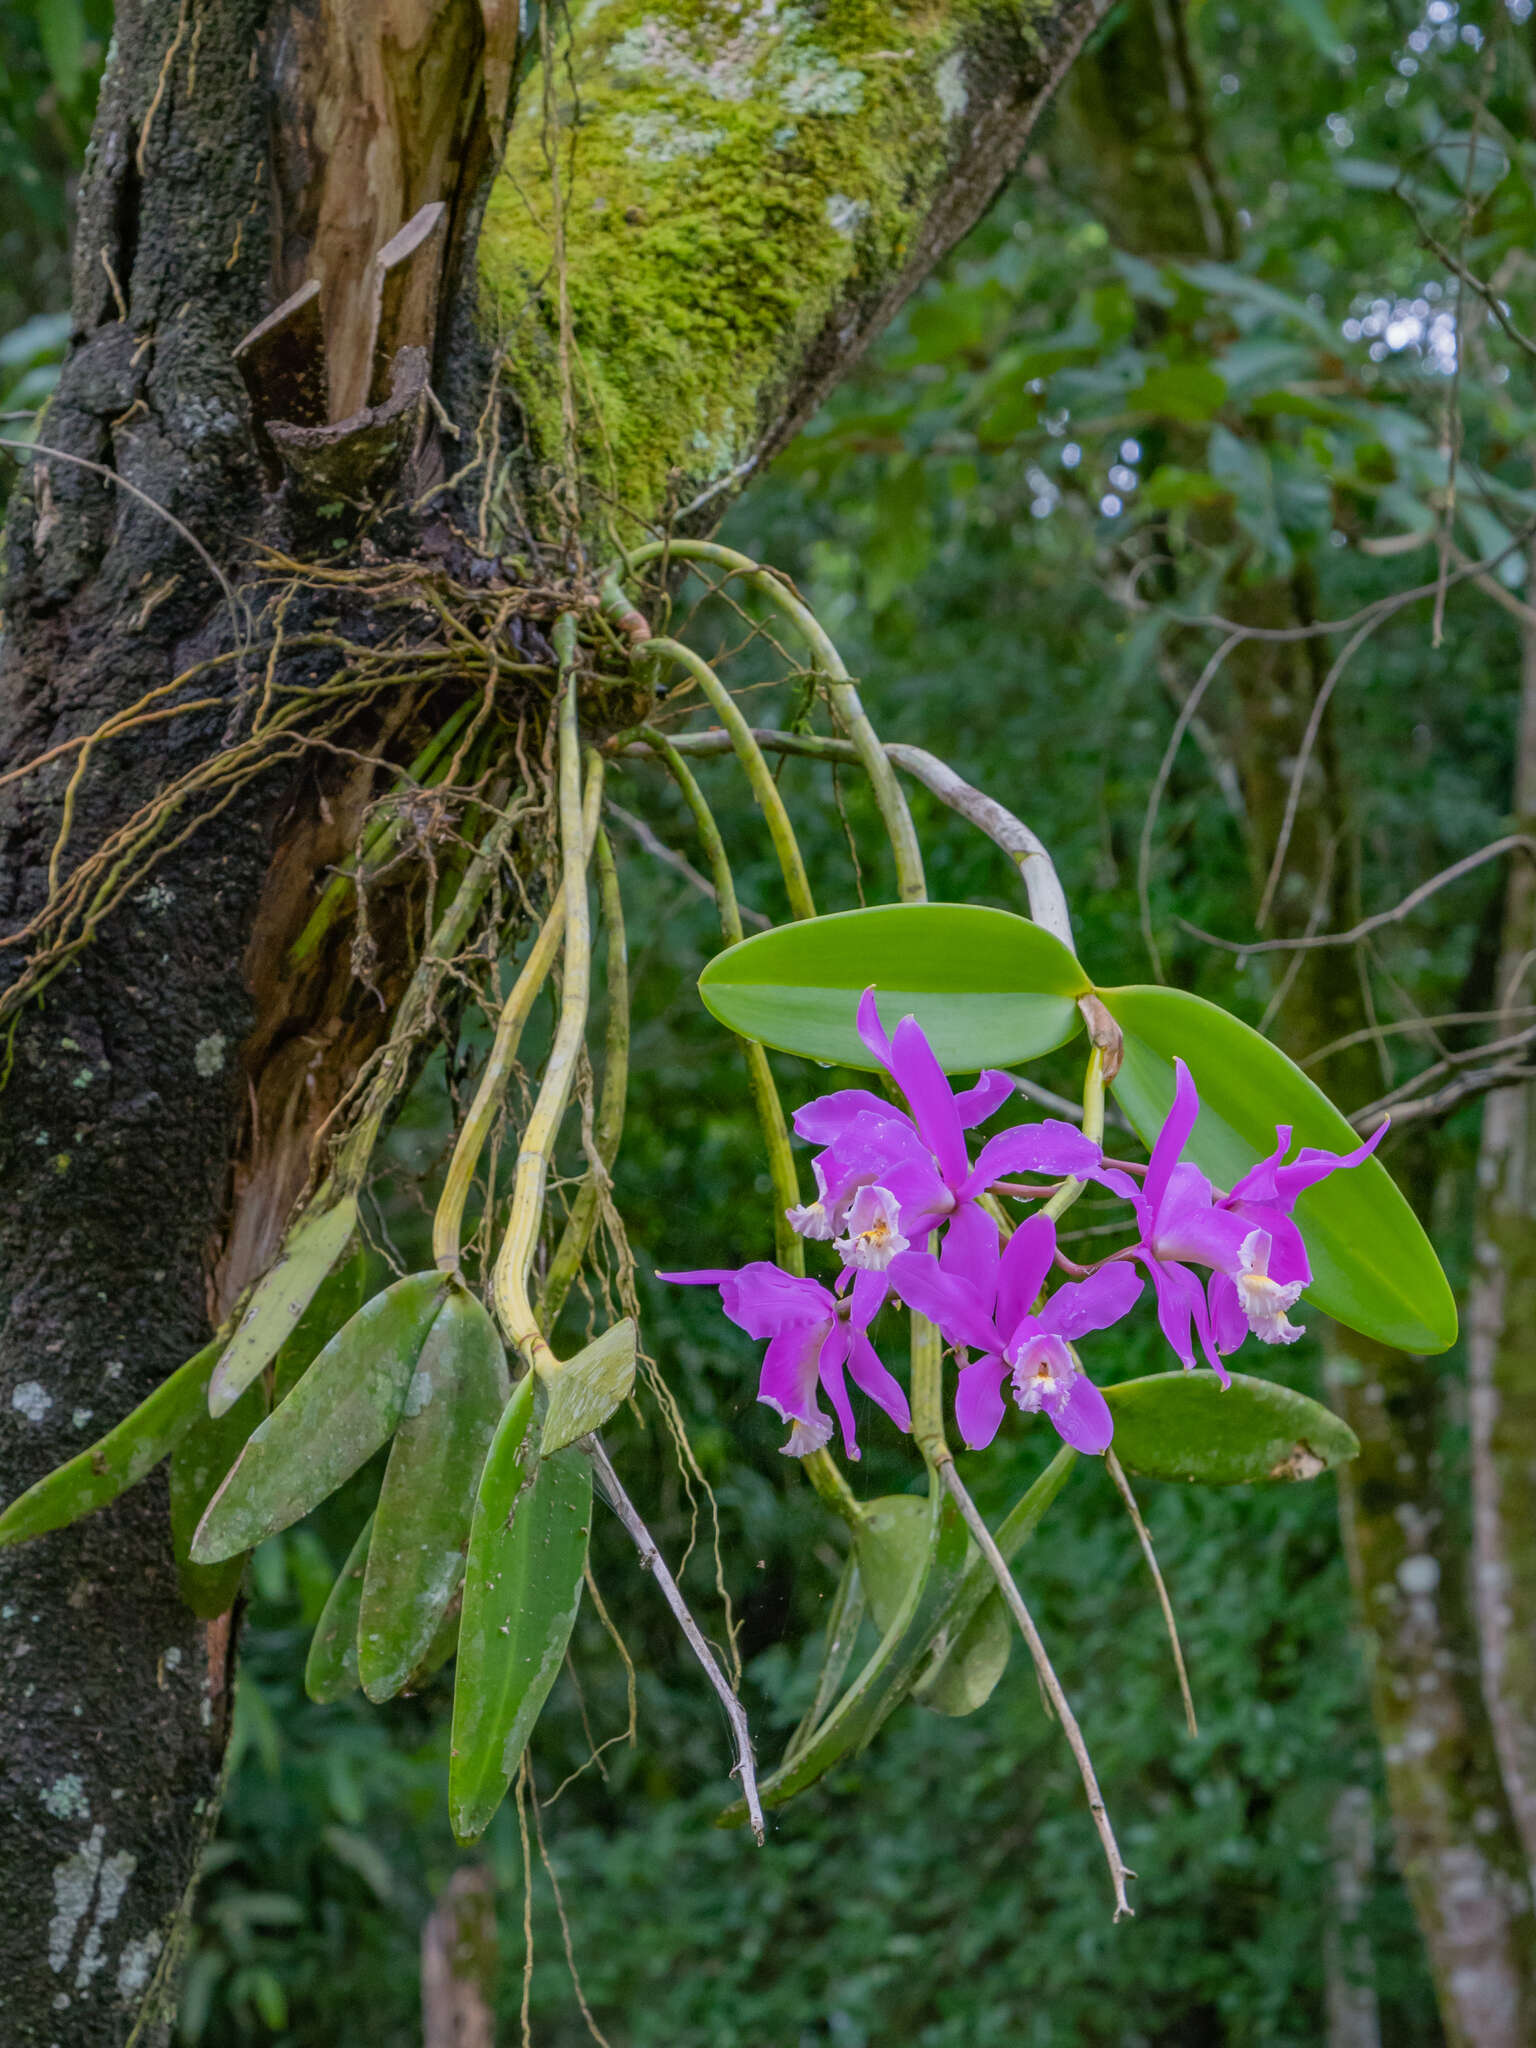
(741, 192)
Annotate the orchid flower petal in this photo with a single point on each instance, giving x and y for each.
(788, 1385)
(835, 1347)
(1052, 1147)
(1190, 1229)
(1081, 1417)
(872, 1031)
(979, 1400)
(1311, 1166)
(970, 1248)
(869, 1292)
(959, 1309)
(1023, 1268)
(1096, 1303)
(870, 1376)
(991, 1091)
(823, 1121)
(1258, 1183)
(1229, 1325)
(926, 1086)
(1171, 1139)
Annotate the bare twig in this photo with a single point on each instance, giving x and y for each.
(1181, 725)
(679, 863)
(1512, 842)
(1144, 1537)
(1050, 1683)
(651, 1561)
(1483, 1082)
(1407, 1026)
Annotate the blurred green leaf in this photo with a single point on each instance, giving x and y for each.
(330, 1671)
(199, 1464)
(282, 1295)
(1186, 1425)
(585, 1390)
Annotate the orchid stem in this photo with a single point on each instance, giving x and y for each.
(758, 773)
(651, 1561)
(845, 698)
(1051, 1684)
(515, 1259)
(788, 1248)
(1144, 1535)
(1093, 1127)
(608, 1127)
(824, 1473)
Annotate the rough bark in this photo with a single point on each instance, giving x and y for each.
(1457, 1845)
(1500, 1321)
(459, 1963)
(165, 1093)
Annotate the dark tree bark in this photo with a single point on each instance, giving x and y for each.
(167, 1089)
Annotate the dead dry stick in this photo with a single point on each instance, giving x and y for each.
(651, 1561)
(1051, 1684)
(1144, 1537)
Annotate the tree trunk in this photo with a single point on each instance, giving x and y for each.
(1458, 1848)
(717, 211)
(1501, 1320)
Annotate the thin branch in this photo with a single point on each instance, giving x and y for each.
(651, 1561)
(1144, 1536)
(1449, 1065)
(1401, 1026)
(1512, 842)
(1181, 725)
(1050, 1683)
(1483, 1082)
(679, 863)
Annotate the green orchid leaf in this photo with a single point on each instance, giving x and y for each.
(309, 1251)
(890, 1546)
(337, 1300)
(199, 1465)
(421, 1526)
(843, 1625)
(1373, 1267)
(347, 1404)
(989, 988)
(522, 1587)
(330, 1670)
(118, 1460)
(445, 1641)
(1186, 1425)
(975, 1622)
(585, 1390)
(967, 1675)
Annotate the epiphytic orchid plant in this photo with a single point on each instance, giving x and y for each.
(1255, 1193)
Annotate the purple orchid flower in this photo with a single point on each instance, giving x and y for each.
(1274, 1268)
(918, 1163)
(1258, 1260)
(812, 1336)
(989, 1304)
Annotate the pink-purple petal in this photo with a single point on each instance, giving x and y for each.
(869, 1291)
(1022, 1270)
(1311, 1166)
(834, 1350)
(1173, 1136)
(959, 1310)
(788, 1378)
(1096, 1303)
(926, 1086)
(1052, 1147)
(970, 1248)
(872, 1031)
(1229, 1325)
(823, 1121)
(979, 1400)
(991, 1091)
(870, 1376)
(1081, 1417)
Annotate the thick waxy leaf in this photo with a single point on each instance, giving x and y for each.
(585, 1390)
(966, 1676)
(330, 1670)
(347, 1404)
(1185, 1425)
(989, 988)
(444, 1642)
(1373, 1267)
(890, 1546)
(310, 1250)
(337, 1300)
(118, 1460)
(199, 1464)
(421, 1527)
(522, 1587)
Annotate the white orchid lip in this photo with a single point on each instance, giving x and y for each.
(1043, 1371)
(872, 1227)
(1265, 1301)
(810, 1219)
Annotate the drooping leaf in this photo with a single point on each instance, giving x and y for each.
(337, 1300)
(1185, 1425)
(989, 988)
(118, 1460)
(330, 1670)
(421, 1527)
(522, 1587)
(309, 1251)
(585, 1390)
(891, 1546)
(347, 1404)
(966, 1676)
(199, 1464)
(445, 1640)
(1373, 1267)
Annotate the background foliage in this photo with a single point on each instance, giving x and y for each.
(1056, 460)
